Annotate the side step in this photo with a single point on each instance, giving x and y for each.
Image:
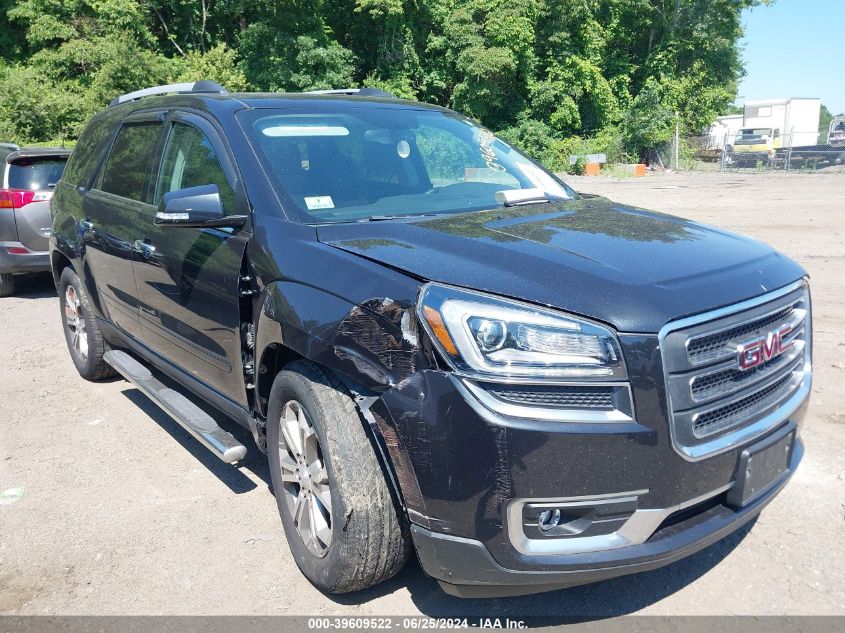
(194, 420)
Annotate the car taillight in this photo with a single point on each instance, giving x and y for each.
(15, 198)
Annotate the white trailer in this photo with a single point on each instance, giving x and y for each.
(794, 121)
(723, 131)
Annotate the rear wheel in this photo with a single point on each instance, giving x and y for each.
(84, 339)
(7, 284)
(342, 525)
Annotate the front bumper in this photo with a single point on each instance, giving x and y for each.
(30, 262)
(463, 468)
(464, 567)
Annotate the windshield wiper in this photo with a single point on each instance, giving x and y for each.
(381, 218)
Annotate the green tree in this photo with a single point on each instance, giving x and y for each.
(648, 122)
(219, 63)
(556, 76)
(825, 118)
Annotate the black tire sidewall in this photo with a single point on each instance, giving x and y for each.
(7, 284)
(324, 572)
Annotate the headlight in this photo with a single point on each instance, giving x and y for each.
(485, 336)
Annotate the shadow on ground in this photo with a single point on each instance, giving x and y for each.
(34, 286)
(255, 461)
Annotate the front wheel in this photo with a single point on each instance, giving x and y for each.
(342, 525)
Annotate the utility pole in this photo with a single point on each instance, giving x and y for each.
(677, 140)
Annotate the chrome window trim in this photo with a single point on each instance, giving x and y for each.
(743, 434)
(635, 531)
(585, 416)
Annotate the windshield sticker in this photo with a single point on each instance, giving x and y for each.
(403, 148)
(319, 202)
(485, 144)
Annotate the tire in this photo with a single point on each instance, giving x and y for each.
(367, 540)
(7, 284)
(84, 339)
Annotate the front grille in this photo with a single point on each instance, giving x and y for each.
(726, 381)
(724, 417)
(569, 397)
(712, 400)
(704, 349)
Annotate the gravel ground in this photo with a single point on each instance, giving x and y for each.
(123, 513)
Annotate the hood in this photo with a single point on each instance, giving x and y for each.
(633, 269)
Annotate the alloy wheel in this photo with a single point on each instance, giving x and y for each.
(75, 322)
(305, 479)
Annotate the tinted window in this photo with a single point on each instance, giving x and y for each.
(128, 165)
(90, 148)
(190, 161)
(35, 173)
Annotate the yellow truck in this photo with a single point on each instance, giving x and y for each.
(770, 128)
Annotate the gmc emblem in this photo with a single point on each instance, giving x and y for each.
(758, 351)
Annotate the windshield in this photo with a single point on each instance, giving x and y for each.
(365, 163)
(755, 134)
(36, 173)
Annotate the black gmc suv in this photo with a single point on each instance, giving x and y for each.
(435, 340)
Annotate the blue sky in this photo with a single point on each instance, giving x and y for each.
(795, 48)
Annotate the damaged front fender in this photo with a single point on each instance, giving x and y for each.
(371, 346)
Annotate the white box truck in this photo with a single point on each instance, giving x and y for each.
(772, 126)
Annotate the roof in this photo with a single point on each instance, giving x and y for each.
(768, 102)
(288, 99)
(214, 97)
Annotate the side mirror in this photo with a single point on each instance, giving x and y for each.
(197, 207)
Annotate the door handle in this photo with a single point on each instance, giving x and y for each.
(146, 250)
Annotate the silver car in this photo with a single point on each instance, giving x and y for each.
(28, 178)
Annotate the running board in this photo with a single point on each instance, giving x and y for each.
(193, 419)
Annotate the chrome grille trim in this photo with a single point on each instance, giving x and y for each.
(726, 414)
(705, 349)
(713, 405)
(725, 381)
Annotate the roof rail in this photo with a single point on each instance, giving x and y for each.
(204, 85)
(353, 92)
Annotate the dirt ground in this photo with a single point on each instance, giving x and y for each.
(123, 513)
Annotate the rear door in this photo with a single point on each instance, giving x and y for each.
(32, 180)
(188, 278)
(111, 207)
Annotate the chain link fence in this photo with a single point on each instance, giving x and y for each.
(752, 152)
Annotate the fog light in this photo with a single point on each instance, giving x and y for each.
(548, 519)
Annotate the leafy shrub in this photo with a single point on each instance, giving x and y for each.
(578, 167)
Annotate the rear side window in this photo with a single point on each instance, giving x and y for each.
(128, 165)
(90, 148)
(35, 173)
